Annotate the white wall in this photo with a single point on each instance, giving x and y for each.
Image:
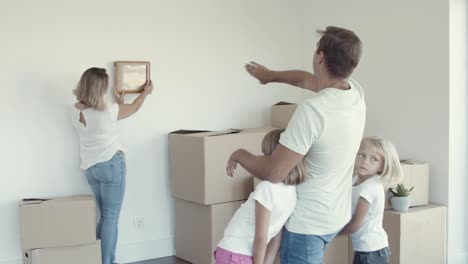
(197, 50)
(458, 180)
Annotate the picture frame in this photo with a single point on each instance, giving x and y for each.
(131, 76)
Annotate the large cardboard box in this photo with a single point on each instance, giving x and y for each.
(198, 164)
(199, 228)
(281, 112)
(414, 174)
(417, 236)
(58, 222)
(82, 254)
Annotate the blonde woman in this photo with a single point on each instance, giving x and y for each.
(376, 164)
(102, 154)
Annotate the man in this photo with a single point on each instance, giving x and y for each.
(326, 131)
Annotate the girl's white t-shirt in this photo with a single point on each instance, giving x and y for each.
(371, 236)
(99, 138)
(279, 198)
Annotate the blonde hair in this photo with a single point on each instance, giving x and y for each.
(269, 143)
(92, 88)
(391, 172)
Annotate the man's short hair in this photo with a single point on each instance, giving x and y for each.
(342, 50)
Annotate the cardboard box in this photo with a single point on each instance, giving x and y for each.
(414, 174)
(198, 164)
(350, 250)
(83, 254)
(199, 228)
(337, 251)
(58, 222)
(417, 236)
(281, 113)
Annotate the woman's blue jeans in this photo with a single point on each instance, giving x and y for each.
(107, 180)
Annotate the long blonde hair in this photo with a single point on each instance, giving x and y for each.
(391, 172)
(269, 143)
(92, 88)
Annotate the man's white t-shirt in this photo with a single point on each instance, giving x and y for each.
(371, 236)
(99, 138)
(327, 129)
(278, 198)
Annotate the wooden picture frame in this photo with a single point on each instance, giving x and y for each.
(131, 76)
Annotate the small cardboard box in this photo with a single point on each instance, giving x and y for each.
(58, 222)
(337, 251)
(199, 228)
(350, 250)
(414, 174)
(82, 254)
(281, 113)
(417, 236)
(198, 164)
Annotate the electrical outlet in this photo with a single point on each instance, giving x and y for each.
(139, 221)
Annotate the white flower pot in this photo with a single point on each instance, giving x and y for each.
(401, 204)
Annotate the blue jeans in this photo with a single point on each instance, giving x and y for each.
(303, 249)
(107, 179)
(380, 256)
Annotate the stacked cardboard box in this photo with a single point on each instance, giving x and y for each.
(206, 198)
(417, 236)
(59, 230)
(415, 174)
(281, 112)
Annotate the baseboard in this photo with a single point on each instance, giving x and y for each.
(143, 250)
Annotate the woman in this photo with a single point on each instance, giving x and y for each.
(102, 154)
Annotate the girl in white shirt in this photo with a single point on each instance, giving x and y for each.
(376, 164)
(102, 154)
(254, 233)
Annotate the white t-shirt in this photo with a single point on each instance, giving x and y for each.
(371, 236)
(278, 198)
(327, 129)
(99, 138)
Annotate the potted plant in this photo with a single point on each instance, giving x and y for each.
(401, 200)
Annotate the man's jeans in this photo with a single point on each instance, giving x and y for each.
(303, 249)
(380, 256)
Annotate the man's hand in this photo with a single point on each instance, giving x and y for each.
(259, 72)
